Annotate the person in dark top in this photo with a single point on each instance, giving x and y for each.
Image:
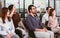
(34, 24)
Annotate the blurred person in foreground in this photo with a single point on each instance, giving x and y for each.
(17, 21)
(7, 29)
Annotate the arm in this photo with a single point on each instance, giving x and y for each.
(12, 12)
(21, 24)
(10, 15)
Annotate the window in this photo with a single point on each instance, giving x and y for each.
(21, 5)
(52, 3)
(58, 7)
(27, 3)
(9, 2)
(41, 4)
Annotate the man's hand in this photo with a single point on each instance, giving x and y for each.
(39, 30)
(44, 29)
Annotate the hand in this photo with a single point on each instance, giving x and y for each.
(14, 9)
(44, 29)
(9, 36)
(39, 30)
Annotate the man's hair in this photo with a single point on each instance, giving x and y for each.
(30, 7)
(48, 7)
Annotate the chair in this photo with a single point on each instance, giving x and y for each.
(19, 33)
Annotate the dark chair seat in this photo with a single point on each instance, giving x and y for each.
(19, 32)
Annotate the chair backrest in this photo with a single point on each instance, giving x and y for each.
(19, 32)
(24, 22)
(46, 25)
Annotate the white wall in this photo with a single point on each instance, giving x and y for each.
(15, 2)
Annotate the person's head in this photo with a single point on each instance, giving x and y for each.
(48, 9)
(32, 9)
(4, 13)
(11, 7)
(52, 12)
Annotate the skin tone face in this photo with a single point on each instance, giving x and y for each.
(54, 13)
(48, 10)
(34, 10)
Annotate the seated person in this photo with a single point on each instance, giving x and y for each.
(19, 27)
(34, 24)
(53, 23)
(7, 29)
(46, 15)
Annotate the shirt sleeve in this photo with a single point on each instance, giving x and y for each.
(3, 30)
(12, 28)
(30, 24)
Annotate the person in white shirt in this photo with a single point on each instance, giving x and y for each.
(7, 29)
(46, 15)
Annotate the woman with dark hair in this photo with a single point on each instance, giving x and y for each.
(16, 20)
(15, 16)
(7, 29)
(53, 23)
